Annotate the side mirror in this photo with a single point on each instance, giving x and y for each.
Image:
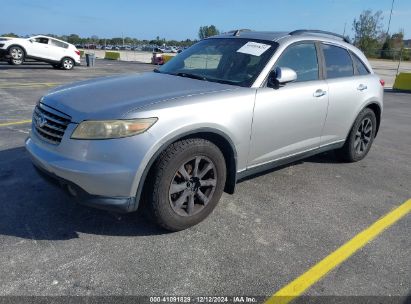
(281, 76)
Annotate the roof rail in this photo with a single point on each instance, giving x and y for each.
(237, 32)
(299, 32)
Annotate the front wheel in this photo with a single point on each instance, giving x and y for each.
(187, 183)
(16, 55)
(67, 63)
(361, 137)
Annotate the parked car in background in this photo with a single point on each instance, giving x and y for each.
(58, 53)
(173, 49)
(226, 108)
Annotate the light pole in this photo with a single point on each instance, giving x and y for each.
(389, 21)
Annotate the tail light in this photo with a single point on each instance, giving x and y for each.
(382, 81)
(78, 52)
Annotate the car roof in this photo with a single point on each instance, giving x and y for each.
(276, 36)
(260, 35)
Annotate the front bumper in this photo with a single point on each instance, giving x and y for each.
(3, 53)
(103, 174)
(116, 204)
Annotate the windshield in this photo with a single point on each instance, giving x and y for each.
(235, 61)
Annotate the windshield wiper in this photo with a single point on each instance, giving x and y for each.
(194, 76)
(156, 71)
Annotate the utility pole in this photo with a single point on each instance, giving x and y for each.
(389, 21)
(345, 25)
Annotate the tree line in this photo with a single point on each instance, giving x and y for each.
(77, 40)
(204, 32)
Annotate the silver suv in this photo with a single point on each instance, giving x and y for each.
(228, 107)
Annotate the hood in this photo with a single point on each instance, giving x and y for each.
(113, 97)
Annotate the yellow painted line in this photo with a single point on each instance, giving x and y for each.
(28, 85)
(302, 283)
(20, 122)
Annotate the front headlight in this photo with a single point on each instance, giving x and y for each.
(106, 129)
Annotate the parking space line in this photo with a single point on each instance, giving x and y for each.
(15, 123)
(10, 85)
(318, 271)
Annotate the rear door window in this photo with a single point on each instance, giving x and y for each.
(361, 68)
(58, 43)
(338, 62)
(302, 58)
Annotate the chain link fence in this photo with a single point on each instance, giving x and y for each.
(396, 55)
(388, 64)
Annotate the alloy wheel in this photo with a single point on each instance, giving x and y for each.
(16, 53)
(68, 64)
(193, 186)
(363, 136)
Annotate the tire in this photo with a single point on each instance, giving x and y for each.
(360, 138)
(67, 63)
(179, 196)
(17, 55)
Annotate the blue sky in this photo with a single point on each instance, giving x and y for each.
(180, 19)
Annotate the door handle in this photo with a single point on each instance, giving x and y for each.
(361, 87)
(319, 93)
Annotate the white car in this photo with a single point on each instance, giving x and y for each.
(58, 53)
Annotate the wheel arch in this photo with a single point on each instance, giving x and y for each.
(376, 108)
(20, 46)
(61, 60)
(217, 137)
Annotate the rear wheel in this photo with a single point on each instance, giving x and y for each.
(17, 55)
(361, 137)
(67, 63)
(187, 183)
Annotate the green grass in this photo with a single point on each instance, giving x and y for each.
(112, 55)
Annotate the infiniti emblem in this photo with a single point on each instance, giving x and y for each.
(40, 121)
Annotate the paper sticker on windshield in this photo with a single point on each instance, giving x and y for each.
(253, 48)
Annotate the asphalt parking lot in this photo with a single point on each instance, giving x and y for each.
(274, 228)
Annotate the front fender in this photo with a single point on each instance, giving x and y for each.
(19, 45)
(160, 145)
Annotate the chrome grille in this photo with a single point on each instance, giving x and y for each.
(50, 124)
